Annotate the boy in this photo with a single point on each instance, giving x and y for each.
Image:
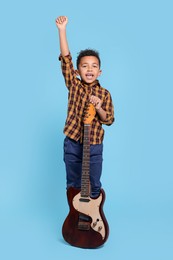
(81, 91)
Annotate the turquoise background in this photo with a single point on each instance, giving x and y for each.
(135, 42)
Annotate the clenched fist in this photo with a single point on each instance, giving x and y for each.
(61, 22)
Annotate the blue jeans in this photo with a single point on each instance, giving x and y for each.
(73, 152)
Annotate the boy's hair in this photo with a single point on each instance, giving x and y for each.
(87, 52)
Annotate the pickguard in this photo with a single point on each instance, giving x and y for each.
(91, 208)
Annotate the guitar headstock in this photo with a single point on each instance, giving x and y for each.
(89, 113)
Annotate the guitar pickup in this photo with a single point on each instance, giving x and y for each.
(83, 217)
(82, 225)
(84, 200)
(84, 222)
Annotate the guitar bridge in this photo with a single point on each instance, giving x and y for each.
(84, 222)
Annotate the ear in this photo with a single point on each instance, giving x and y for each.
(100, 72)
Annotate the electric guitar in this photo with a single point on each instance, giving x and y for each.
(85, 225)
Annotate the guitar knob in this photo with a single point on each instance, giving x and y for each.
(99, 228)
(94, 224)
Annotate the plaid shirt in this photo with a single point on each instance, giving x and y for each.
(78, 95)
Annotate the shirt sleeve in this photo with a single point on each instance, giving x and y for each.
(68, 70)
(109, 108)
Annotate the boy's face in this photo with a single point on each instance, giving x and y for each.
(89, 69)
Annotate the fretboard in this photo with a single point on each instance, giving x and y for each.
(85, 181)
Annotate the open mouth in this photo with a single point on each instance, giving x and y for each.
(89, 75)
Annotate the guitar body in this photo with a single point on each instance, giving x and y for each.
(86, 225)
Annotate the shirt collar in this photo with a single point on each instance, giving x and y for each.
(91, 85)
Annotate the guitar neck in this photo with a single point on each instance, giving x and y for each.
(85, 180)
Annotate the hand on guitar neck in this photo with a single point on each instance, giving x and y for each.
(97, 102)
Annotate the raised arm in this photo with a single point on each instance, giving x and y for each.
(61, 23)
